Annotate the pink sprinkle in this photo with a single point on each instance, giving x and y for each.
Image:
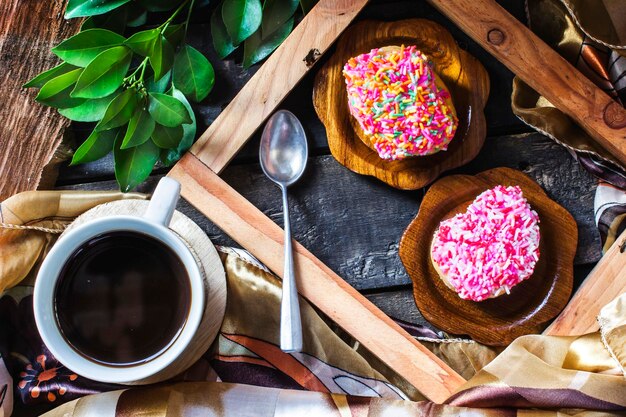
(493, 245)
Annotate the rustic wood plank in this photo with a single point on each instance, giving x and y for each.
(273, 81)
(236, 216)
(606, 282)
(353, 223)
(543, 69)
(30, 133)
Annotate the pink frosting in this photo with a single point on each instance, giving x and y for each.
(493, 245)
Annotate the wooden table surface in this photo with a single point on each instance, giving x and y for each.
(354, 223)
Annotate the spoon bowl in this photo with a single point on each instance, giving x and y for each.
(284, 149)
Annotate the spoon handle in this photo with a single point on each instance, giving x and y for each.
(290, 322)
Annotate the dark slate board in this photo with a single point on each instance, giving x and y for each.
(353, 223)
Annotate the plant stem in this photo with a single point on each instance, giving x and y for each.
(141, 67)
(173, 16)
(144, 64)
(189, 16)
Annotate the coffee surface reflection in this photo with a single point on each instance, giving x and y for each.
(122, 298)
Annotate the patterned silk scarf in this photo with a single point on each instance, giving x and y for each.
(244, 373)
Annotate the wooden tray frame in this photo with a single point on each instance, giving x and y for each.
(492, 27)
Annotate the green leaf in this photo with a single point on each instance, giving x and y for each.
(134, 165)
(167, 137)
(142, 42)
(119, 111)
(83, 47)
(56, 92)
(193, 74)
(167, 110)
(140, 128)
(46, 76)
(161, 57)
(115, 21)
(255, 48)
(158, 86)
(91, 110)
(85, 8)
(221, 41)
(104, 74)
(175, 34)
(242, 18)
(276, 13)
(307, 5)
(170, 156)
(97, 146)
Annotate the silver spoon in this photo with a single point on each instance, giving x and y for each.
(283, 154)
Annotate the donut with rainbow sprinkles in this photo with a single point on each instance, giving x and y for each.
(490, 248)
(400, 103)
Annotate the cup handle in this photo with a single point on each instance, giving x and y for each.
(163, 202)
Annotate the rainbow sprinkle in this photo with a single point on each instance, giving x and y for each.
(395, 99)
(491, 247)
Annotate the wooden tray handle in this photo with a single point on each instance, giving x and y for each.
(605, 283)
(542, 68)
(256, 232)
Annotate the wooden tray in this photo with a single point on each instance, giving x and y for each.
(247, 225)
(532, 303)
(464, 76)
(492, 27)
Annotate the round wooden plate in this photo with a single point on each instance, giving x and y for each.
(497, 321)
(464, 76)
(210, 264)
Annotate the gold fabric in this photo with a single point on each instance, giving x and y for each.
(612, 320)
(535, 375)
(34, 209)
(259, 321)
(603, 21)
(589, 34)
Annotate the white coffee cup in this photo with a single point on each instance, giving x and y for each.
(154, 224)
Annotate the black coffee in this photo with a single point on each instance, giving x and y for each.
(122, 298)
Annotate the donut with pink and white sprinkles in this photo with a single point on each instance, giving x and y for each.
(490, 248)
(399, 102)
